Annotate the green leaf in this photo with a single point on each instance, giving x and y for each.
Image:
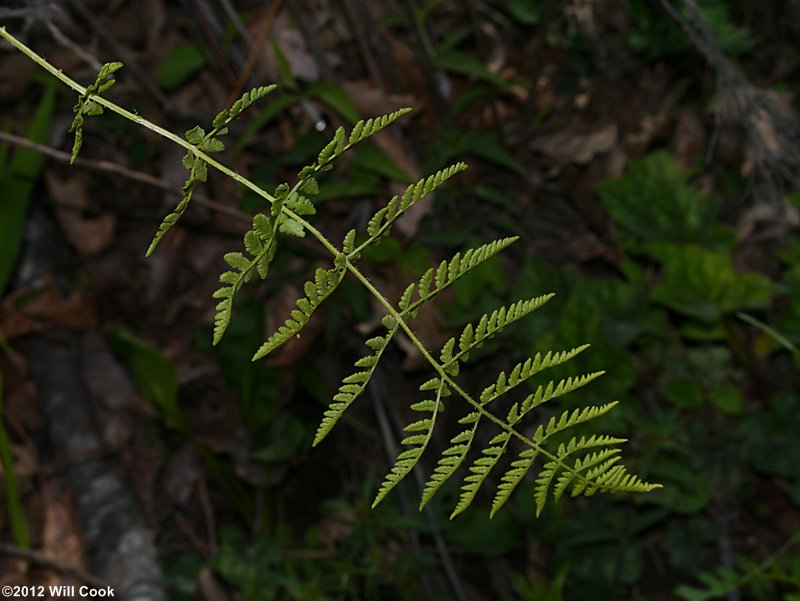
(336, 98)
(183, 61)
(727, 399)
(154, 374)
(463, 64)
(527, 12)
(704, 285)
(653, 203)
(11, 496)
(17, 181)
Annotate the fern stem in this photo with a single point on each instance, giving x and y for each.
(71, 83)
(337, 254)
(65, 79)
(454, 386)
(446, 377)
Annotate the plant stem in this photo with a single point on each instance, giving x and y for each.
(58, 74)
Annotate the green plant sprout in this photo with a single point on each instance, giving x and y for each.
(580, 465)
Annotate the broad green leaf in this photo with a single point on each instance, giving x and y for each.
(336, 98)
(704, 285)
(153, 373)
(183, 61)
(654, 203)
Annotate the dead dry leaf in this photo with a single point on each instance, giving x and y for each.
(578, 148)
(61, 540)
(73, 311)
(87, 235)
(208, 587)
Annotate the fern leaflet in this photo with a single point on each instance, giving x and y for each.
(324, 283)
(207, 143)
(260, 244)
(353, 385)
(417, 443)
(88, 107)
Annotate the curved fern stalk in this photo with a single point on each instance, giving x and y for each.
(88, 107)
(207, 143)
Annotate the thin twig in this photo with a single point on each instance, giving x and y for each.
(40, 559)
(62, 39)
(110, 167)
(119, 50)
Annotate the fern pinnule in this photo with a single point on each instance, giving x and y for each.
(206, 143)
(380, 223)
(260, 244)
(87, 106)
(417, 443)
(473, 336)
(480, 469)
(523, 371)
(316, 291)
(452, 457)
(353, 385)
(449, 271)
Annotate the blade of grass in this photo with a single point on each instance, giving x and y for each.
(16, 516)
(772, 333)
(17, 183)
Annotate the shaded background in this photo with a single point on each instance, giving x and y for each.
(646, 153)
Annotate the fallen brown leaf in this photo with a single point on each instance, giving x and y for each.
(87, 235)
(61, 540)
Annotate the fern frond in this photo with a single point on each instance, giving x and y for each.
(260, 244)
(524, 462)
(569, 419)
(552, 390)
(324, 283)
(437, 279)
(473, 336)
(381, 222)
(207, 143)
(90, 108)
(526, 370)
(364, 129)
(452, 457)
(353, 385)
(521, 466)
(417, 443)
(601, 469)
(341, 142)
(480, 469)
(510, 480)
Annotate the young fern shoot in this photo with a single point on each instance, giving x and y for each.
(577, 465)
